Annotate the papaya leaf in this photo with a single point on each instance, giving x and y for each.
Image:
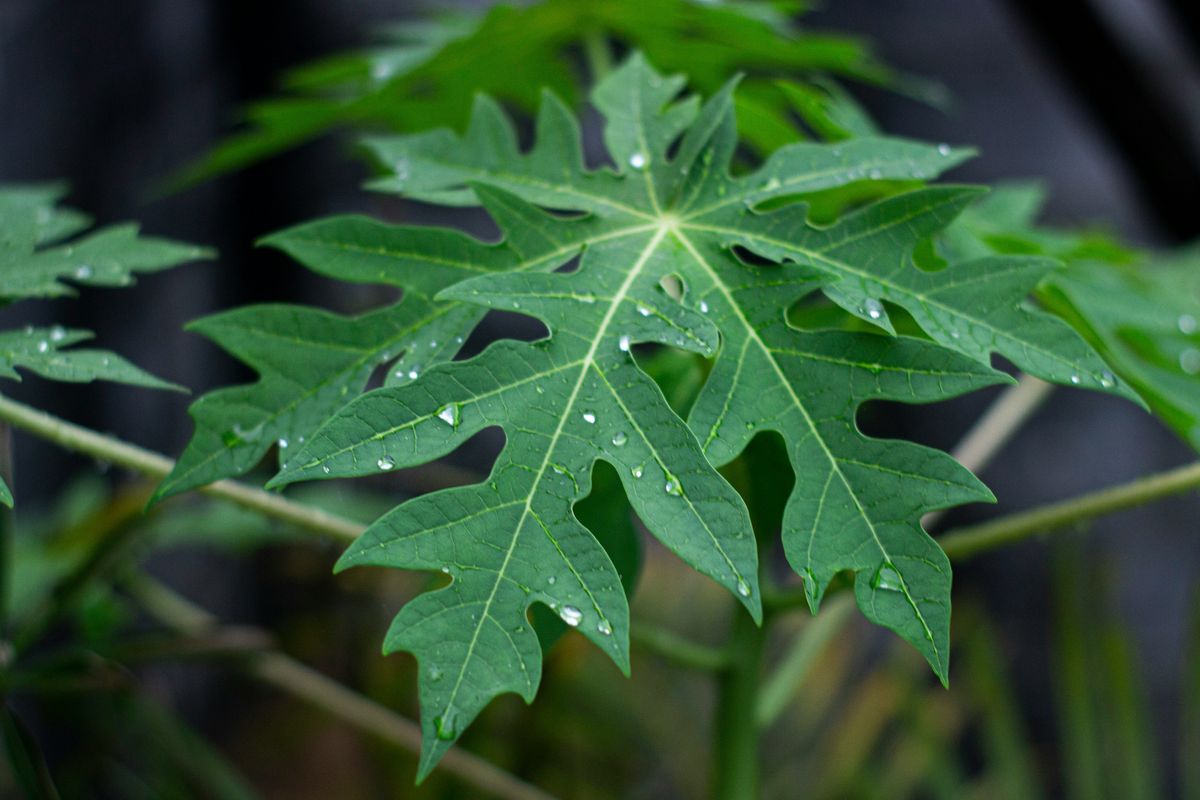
(40, 259)
(666, 217)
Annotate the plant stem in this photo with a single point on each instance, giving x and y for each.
(782, 685)
(735, 757)
(974, 539)
(673, 647)
(112, 450)
(996, 427)
(327, 694)
(599, 56)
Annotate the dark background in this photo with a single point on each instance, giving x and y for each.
(112, 95)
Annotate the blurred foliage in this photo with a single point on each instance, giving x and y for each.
(425, 72)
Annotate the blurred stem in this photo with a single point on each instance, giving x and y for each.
(785, 681)
(599, 56)
(315, 688)
(736, 727)
(987, 437)
(974, 539)
(673, 647)
(114, 451)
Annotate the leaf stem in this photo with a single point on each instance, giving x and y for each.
(599, 56)
(112, 450)
(327, 694)
(673, 647)
(965, 542)
(996, 427)
(735, 756)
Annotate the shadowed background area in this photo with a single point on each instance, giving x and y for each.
(1099, 99)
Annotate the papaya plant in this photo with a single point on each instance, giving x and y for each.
(717, 291)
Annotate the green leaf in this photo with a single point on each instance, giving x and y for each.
(35, 262)
(1144, 320)
(657, 237)
(425, 73)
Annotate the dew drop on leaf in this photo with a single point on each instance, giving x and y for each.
(57, 333)
(83, 272)
(444, 725)
(604, 627)
(283, 444)
(703, 307)
(887, 577)
(637, 161)
(449, 414)
(619, 438)
(637, 471)
(743, 588)
(571, 615)
(643, 309)
(1189, 361)
(1075, 379)
(43, 346)
(1187, 324)
(385, 463)
(872, 308)
(589, 418)
(1107, 379)
(943, 149)
(673, 487)
(623, 343)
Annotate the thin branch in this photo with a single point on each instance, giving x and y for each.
(996, 427)
(114, 451)
(675, 648)
(969, 541)
(313, 687)
(781, 686)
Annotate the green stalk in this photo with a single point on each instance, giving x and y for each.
(735, 756)
(599, 56)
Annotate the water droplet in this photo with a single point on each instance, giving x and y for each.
(643, 309)
(449, 414)
(703, 307)
(571, 615)
(623, 343)
(954, 334)
(445, 727)
(604, 627)
(743, 588)
(540, 389)
(619, 438)
(875, 174)
(1187, 324)
(872, 308)
(637, 471)
(943, 149)
(83, 272)
(325, 469)
(435, 674)
(283, 444)
(385, 463)
(887, 577)
(43, 346)
(552, 580)
(433, 343)
(589, 418)
(637, 161)
(414, 372)
(771, 185)
(1189, 361)
(673, 487)
(58, 333)
(587, 298)
(445, 570)
(1075, 379)
(1107, 379)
